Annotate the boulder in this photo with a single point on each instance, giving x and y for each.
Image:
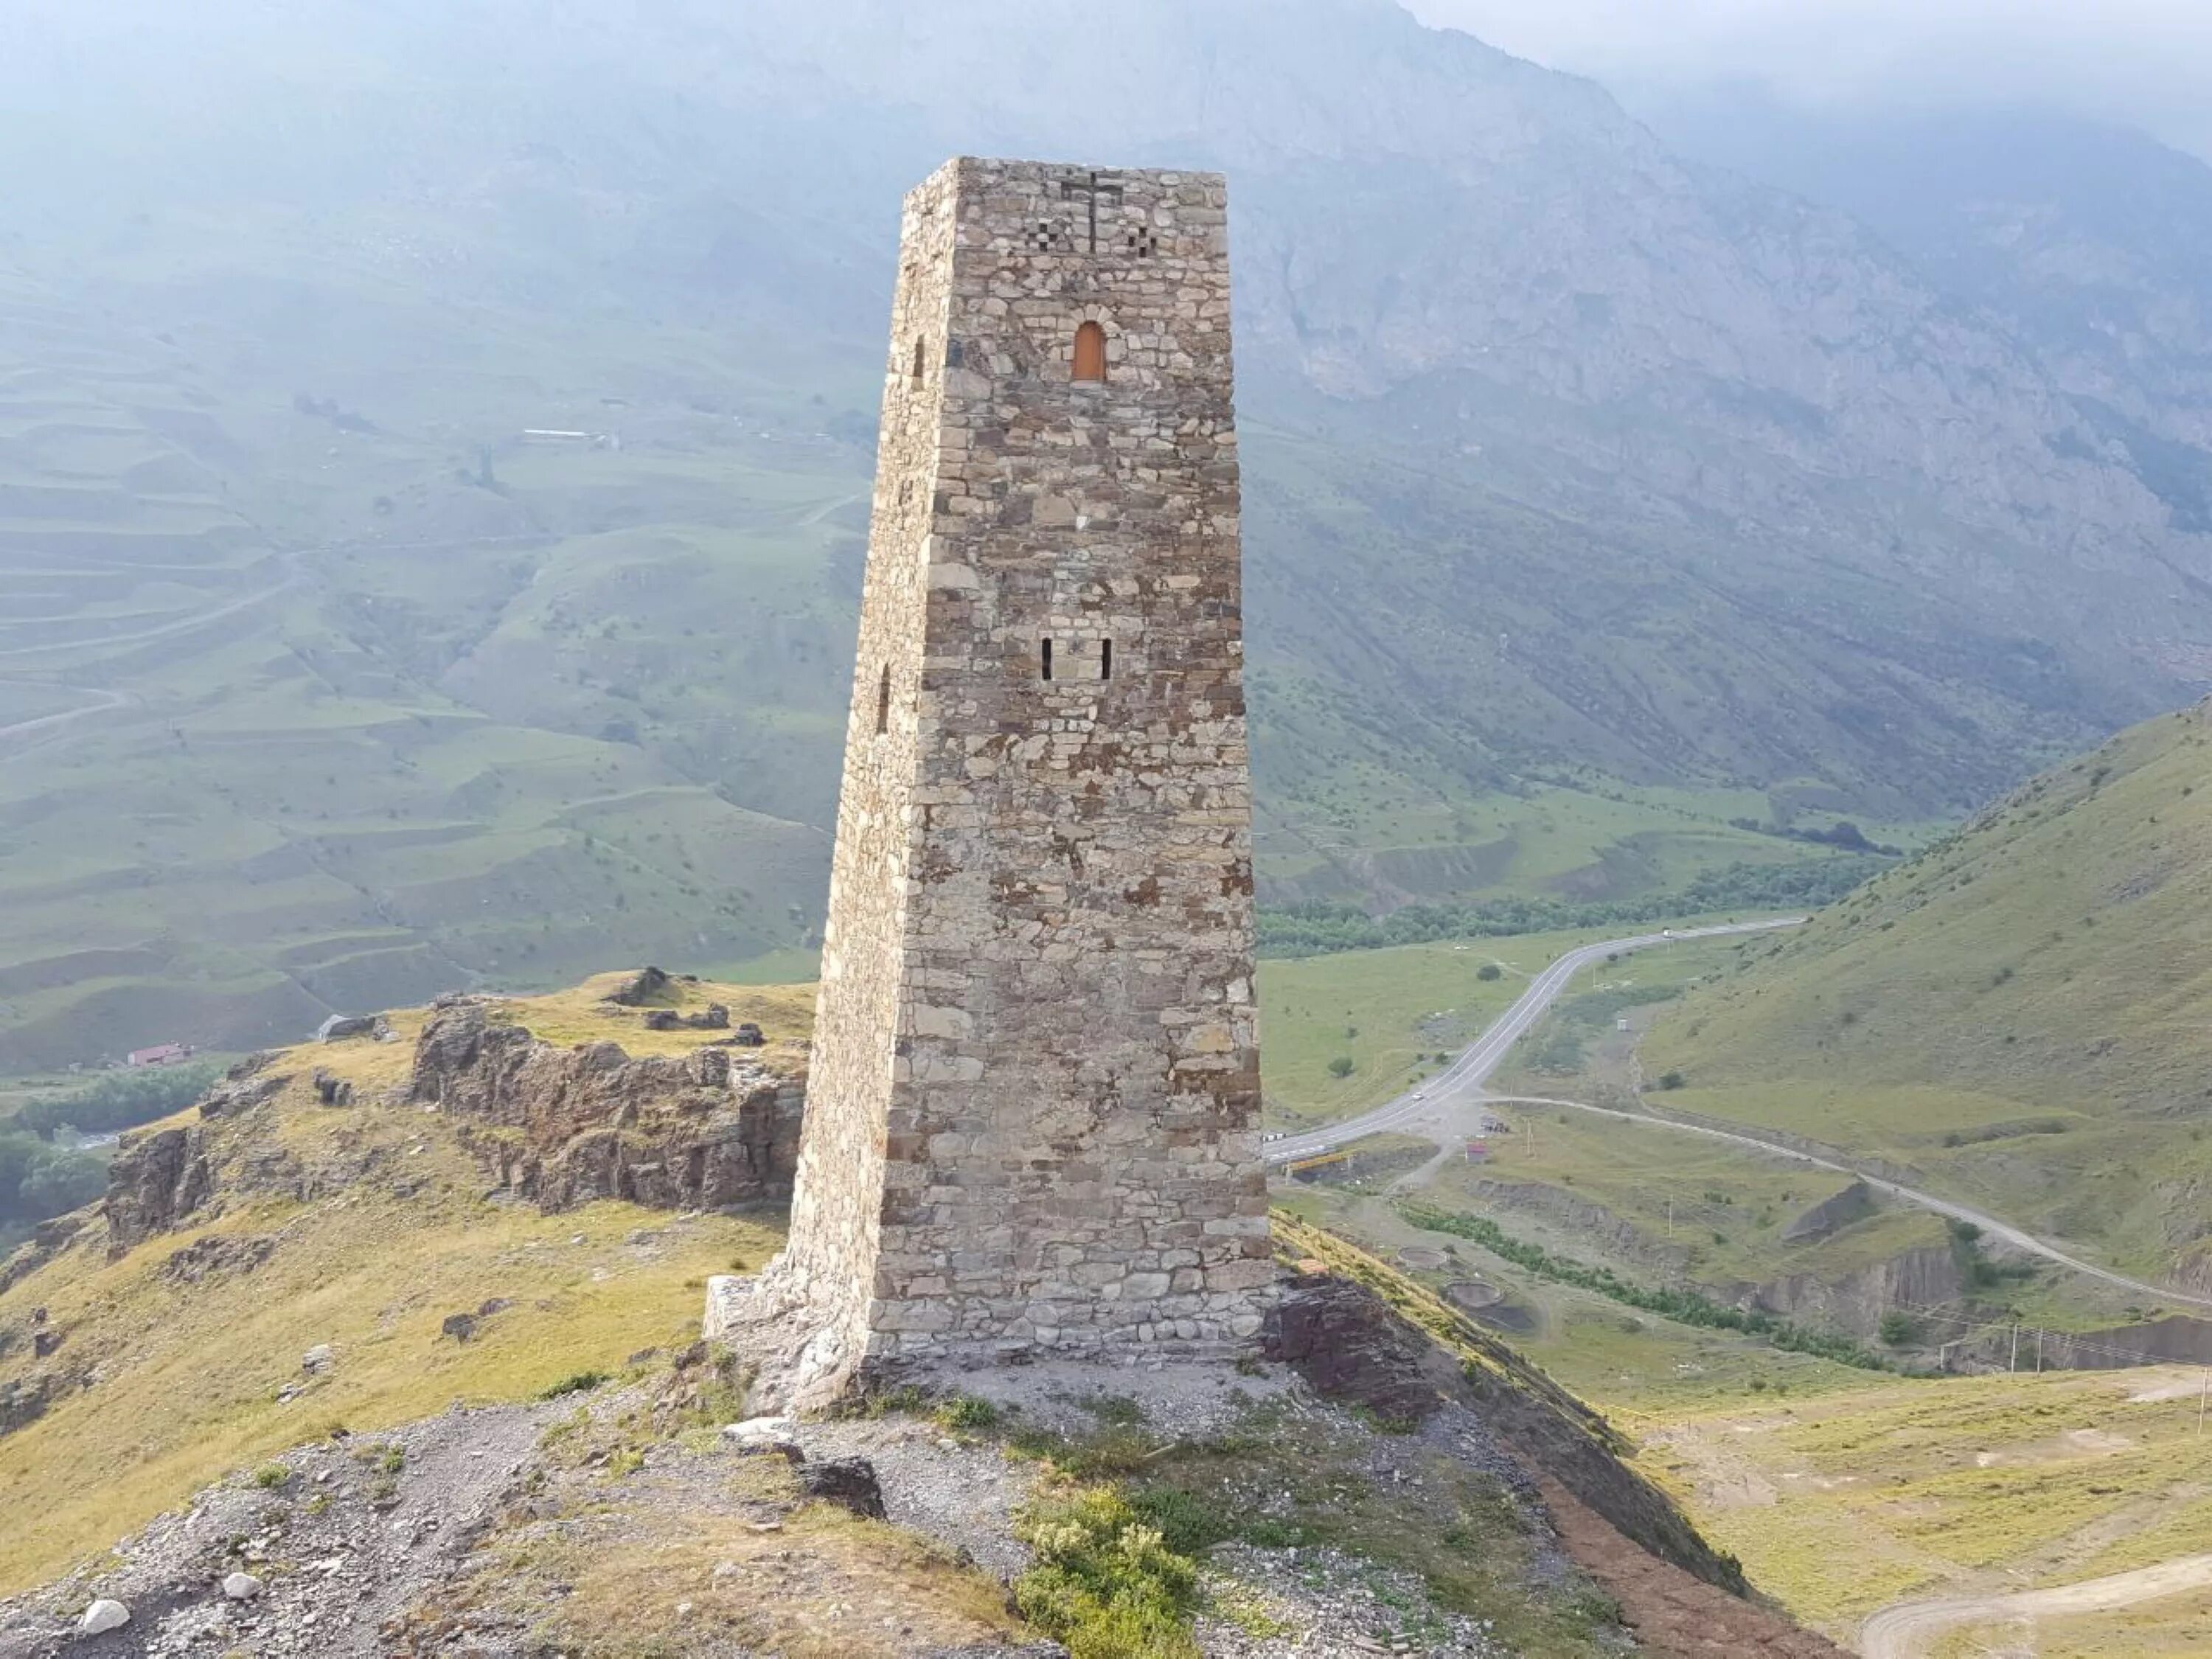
(714, 1018)
(332, 1090)
(242, 1586)
(647, 985)
(340, 1027)
(318, 1359)
(849, 1482)
(460, 1326)
(103, 1616)
(757, 1434)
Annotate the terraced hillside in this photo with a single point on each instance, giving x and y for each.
(1605, 516)
(255, 771)
(2023, 1012)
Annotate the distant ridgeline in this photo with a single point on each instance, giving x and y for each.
(1305, 930)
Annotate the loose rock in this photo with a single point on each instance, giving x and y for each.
(849, 1482)
(102, 1616)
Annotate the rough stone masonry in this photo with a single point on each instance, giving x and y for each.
(1032, 1125)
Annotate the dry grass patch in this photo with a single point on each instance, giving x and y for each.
(189, 1373)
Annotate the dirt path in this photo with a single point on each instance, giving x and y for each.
(1910, 1629)
(102, 701)
(1989, 1224)
(1674, 1615)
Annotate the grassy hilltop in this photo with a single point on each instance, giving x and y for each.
(2023, 1012)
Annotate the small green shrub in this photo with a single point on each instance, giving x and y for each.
(965, 1412)
(272, 1477)
(1488, 970)
(1340, 1066)
(577, 1383)
(1106, 1583)
(1186, 1523)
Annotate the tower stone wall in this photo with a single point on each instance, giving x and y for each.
(1032, 1122)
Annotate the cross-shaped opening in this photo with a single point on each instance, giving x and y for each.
(1094, 194)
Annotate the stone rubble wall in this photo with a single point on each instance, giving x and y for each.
(1035, 1096)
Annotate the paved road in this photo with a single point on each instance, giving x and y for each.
(1909, 1630)
(1463, 1079)
(1989, 1224)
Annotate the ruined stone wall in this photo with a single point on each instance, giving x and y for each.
(1033, 1119)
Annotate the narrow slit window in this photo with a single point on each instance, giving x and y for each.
(1047, 660)
(1105, 659)
(884, 701)
(1091, 352)
(920, 364)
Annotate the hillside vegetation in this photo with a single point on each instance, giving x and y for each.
(2023, 1012)
(323, 686)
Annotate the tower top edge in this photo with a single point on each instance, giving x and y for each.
(970, 171)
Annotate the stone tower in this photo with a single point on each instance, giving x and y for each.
(1032, 1121)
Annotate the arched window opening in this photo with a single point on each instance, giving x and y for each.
(1105, 659)
(884, 701)
(921, 362)
(1091, 352)
(1047, 660)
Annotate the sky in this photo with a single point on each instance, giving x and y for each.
(2145, 62)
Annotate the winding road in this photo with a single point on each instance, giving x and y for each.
(1989, 1224)
(1909, 1630)
(1460, 1083)
(102, 701)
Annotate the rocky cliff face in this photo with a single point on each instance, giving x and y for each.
(563, 1127)
(1926, 1278)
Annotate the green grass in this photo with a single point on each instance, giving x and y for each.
(2021, 1013)
(1841, 1502)
(1397, 1014)
(189, 1379)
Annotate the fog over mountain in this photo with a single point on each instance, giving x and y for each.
(1596, 496)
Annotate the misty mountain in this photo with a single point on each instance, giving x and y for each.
(1595, 498)
(2092, 244)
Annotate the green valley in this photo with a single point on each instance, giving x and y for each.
(2018, 1015)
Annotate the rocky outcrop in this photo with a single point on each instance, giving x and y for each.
(155, 1181)
(1925, 1278)
(1369, 1336)
(1831, 1215)
(48, 1240)
(219, 1255)
(244, 1086)
(563, 1127)
(1344, 1340)
(2177, 1339)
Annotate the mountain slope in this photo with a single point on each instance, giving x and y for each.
(2024, 1012)
(1594, 500)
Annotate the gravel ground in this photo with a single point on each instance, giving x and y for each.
(1318, 1604)
(362, 1530)
(357, 1530)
